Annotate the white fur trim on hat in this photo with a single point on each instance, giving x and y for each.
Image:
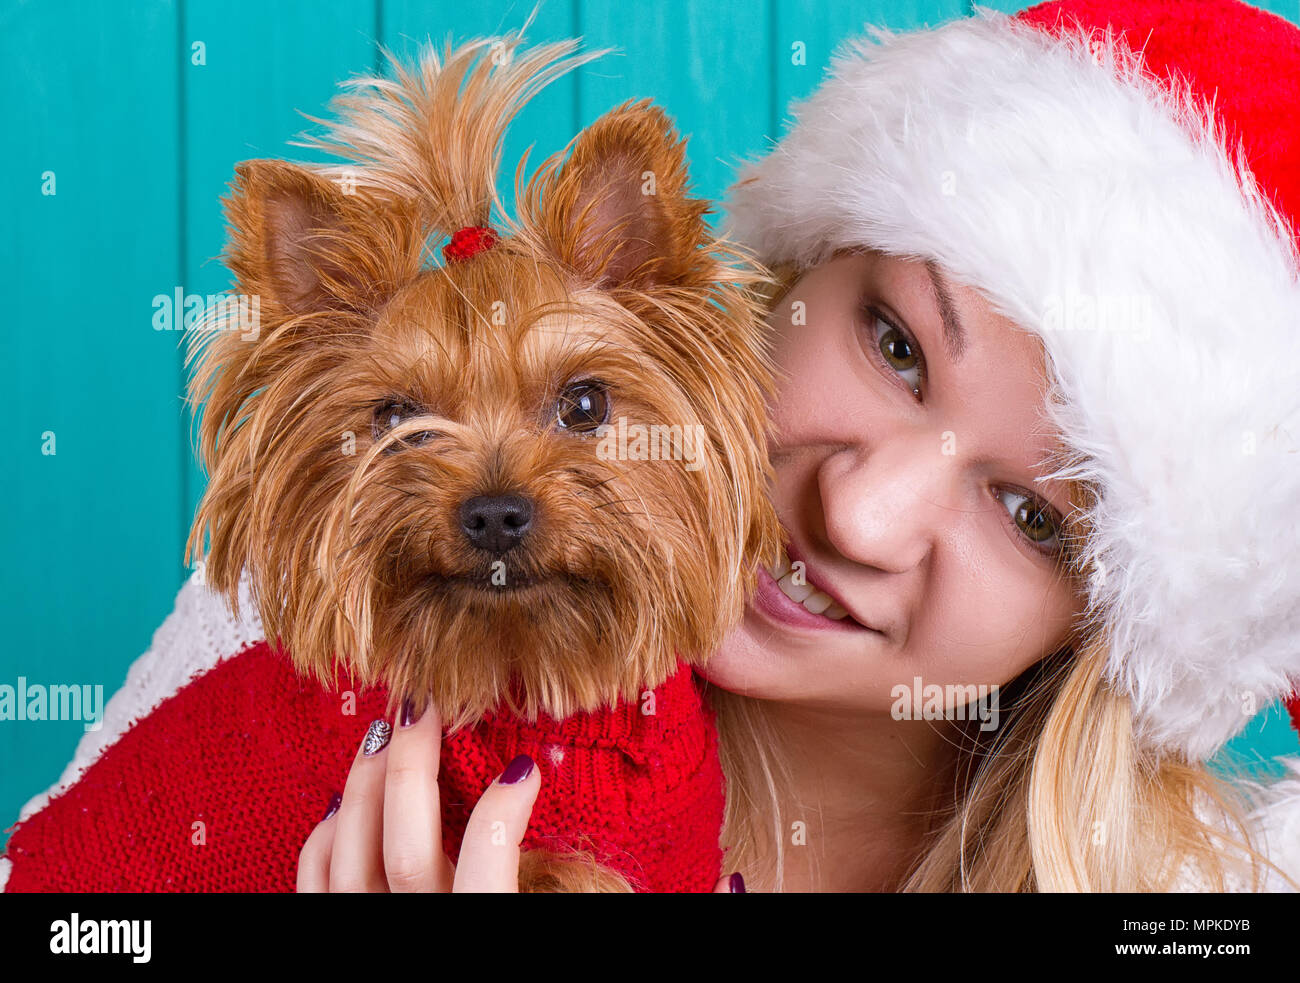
(1098, 209)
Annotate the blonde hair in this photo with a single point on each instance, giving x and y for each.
(1062, 797)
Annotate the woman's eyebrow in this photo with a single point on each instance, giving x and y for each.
(954, 335)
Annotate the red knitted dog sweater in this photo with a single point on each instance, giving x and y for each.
(218, 788)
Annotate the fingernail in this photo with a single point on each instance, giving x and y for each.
(409, 716)
(736, 884)
(516, 771)
(335, 801)
(376, 737)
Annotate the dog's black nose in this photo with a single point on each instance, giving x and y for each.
(496, 523)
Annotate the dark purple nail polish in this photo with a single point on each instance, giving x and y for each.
(336, 800)
(736, 883)
(516, 771)
(409, 716)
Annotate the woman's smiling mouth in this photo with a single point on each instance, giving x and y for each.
(787, 595)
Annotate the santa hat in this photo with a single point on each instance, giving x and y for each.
(1123, 179)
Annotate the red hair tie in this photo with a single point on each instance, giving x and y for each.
(469, 242)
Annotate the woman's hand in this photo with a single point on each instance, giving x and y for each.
(384, 833)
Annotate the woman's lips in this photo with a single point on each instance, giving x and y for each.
(772, 601)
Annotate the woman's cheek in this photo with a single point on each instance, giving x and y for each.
(995, 625)
(818, 398)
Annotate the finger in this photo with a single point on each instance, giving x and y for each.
(489, 854)
(730, 884)
(357, 858)
(314, 857)
(413, 857)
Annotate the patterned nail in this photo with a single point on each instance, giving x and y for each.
(376, 737)
(736, 883)
(335, 801)
(409, 716)
(516, 771)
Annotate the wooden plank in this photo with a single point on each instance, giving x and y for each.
(808, 32)
(91, 532)
(708, 65)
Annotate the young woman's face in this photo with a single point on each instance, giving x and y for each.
(909, 430)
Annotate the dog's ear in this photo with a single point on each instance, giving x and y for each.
(618, 209)
(303, 243)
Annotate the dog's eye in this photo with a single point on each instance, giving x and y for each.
(583, 407)
(391, 414)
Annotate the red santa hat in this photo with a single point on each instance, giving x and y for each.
(1123, 179)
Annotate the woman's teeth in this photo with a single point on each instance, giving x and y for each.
(802, 593)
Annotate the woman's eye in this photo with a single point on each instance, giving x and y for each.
(900, 351)
(1035, 519)
(392, 414)
(582, 407)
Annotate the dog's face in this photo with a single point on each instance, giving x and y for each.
(535, 476)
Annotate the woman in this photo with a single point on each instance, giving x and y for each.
(1040, 515)
(1021, 462)
(1062, 197)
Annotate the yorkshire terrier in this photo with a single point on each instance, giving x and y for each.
(525, 483)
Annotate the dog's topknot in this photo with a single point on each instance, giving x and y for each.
(431, 135)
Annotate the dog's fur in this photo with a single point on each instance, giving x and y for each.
(348, 529)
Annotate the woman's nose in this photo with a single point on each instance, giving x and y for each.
(885, 506)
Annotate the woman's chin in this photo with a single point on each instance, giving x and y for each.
(756, 661)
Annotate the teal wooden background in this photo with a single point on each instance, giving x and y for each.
(142, 142)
